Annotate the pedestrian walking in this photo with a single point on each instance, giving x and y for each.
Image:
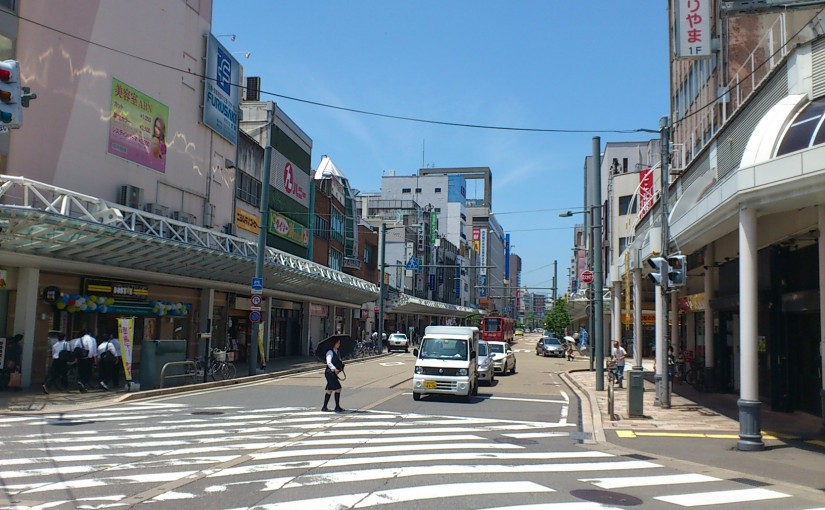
(334, 366)
(62, 355)
(619, 354)
(107, 364)
(85, 348)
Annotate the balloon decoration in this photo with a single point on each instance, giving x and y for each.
(162, 308)
(74, 303)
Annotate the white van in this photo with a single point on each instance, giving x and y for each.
(445, 362)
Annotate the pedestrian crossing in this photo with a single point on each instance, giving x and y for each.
(159, 454)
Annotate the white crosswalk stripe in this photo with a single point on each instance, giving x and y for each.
(282, 457)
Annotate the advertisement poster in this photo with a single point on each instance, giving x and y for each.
(221, 91)
(125, 334)
(645, 192)
(137, 127)
(290, 230)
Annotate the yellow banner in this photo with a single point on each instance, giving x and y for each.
(247, 220)
(261, 349)
(125, 334)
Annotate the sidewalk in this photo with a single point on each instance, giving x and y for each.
(703, 429)
(33, 400)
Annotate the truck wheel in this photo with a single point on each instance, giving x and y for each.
(416, 396)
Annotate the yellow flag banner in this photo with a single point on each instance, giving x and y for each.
(125, 334)
(261, 329)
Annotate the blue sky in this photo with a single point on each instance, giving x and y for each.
(591, 65)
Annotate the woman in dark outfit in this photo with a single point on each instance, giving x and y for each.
(334, 365)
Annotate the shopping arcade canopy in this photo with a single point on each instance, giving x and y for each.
(56, 229)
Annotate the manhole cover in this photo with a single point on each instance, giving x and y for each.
(514, 440)
(207, 413)
(606, 497)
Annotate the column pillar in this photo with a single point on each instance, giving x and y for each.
(820, 210)
(638, 344)
(750, 435)
(616, 312)
(25, 314)
(710, 341)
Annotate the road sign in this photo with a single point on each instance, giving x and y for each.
(255, 300)
(587, 277)
(413, 264)
(254, 316)
(257, 284)
(375, 309)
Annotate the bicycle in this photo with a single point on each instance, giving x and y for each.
(218, 368)
(695, 375)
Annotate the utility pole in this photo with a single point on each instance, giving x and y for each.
(259, 261)
(383, 242)
(555, 275)
(663, 386)
(598, 274)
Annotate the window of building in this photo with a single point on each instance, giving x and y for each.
(438, 190)
(336, 225)
(321, 229)
(623, 244)
(437, 209)
(418, 190)
(406, 190)
(336, 259)
(627, 205)
(806, 129)
(368, 255)
(248, 189)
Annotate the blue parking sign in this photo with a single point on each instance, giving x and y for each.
(257, 284)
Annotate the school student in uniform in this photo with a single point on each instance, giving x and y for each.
(61, 356)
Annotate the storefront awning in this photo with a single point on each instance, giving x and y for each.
(404, 303)
(54, 229)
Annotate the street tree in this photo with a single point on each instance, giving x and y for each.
(558, 319)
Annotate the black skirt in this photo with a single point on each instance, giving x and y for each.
(333, 383)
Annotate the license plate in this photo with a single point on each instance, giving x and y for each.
(429, 385)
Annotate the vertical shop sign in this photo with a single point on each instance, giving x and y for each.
(693, 29)
(125, 334)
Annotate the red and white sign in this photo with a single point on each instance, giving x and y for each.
(587, 277)
(290, 179)
(693, 28)
(645, 192)
(255, 300)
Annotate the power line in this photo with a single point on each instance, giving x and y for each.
(331, 106)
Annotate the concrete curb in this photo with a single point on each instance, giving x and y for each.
(246, 379)
(592, 422)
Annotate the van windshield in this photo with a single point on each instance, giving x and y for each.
(443, 348)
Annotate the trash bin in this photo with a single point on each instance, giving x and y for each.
(635, 393)
(156, 353)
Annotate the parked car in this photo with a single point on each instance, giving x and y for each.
(485, 368)
(398, 341)
(550, 346)
(504, 359)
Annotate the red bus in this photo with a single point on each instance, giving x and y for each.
(495, 327)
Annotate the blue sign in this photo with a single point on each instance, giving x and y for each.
(254, 316)
(257, 284)
(221, 91)
(413, 264)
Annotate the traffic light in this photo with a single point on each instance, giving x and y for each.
(659, 275)
(677, 270)
(11, 113)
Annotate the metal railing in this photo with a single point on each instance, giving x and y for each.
(186, 373)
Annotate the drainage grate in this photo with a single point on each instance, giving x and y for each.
(606, 497)
(70, 423)
(581, 436)
(639, 456)
(207, 413)
(515, 440)
(748, 481)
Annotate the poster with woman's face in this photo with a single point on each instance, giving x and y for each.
(137, 127)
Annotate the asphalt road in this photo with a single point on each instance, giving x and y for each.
(267, 445)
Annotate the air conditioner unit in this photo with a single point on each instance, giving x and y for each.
(130, 196)
(160, 210)
(184, 217)
(231, 229)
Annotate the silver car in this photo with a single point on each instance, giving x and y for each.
(550, 346)
(504, 359)
(398, 341)
(486, 370)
